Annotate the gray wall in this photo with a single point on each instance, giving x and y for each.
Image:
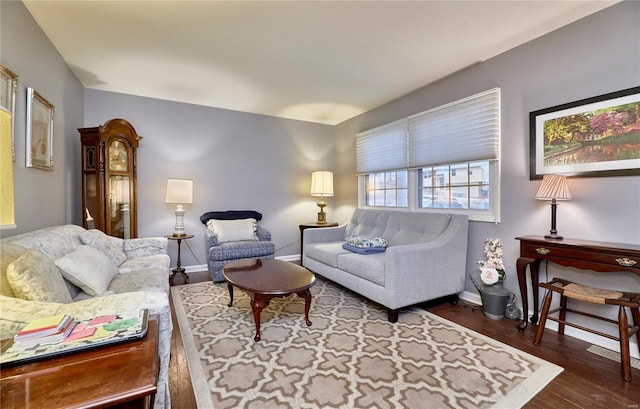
(236, 160)
(42, 198)
(594, 56)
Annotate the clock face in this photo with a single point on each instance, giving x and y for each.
(118, 157)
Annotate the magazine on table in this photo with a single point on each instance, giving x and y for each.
(86, 334)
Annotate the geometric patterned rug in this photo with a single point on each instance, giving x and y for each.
(350, 357)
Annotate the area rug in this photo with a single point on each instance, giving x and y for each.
(350, 357)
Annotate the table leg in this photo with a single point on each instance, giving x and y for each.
(230, 286)
(258, 303)
(521, 268)
(306, 294)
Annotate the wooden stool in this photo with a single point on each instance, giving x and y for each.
(567, 289)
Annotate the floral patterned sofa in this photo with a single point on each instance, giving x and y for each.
(85, 273)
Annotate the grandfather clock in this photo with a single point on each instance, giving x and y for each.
(109, 188)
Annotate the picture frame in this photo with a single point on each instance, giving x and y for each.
(8, 88)
(40, 114)
(592, 137)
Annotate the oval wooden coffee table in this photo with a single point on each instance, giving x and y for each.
(263, 280)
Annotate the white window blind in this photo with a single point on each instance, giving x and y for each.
(462, 131)
(382, 148)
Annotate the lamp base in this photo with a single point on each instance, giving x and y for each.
(322, 216)
(178, 230)
(553, 236)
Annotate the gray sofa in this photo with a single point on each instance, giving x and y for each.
(32, 284)
(425, 258)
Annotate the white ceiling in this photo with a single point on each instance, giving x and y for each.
(318, 61)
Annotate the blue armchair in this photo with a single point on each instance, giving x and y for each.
(220, 253)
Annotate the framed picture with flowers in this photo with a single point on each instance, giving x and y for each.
(598, 136)
(40, 113)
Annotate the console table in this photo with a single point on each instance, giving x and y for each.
(598, 256)
(121, 375)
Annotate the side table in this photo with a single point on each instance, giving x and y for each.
(179, 269)
(313, 225)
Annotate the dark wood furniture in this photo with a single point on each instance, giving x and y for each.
(314, 225)
(263, 280)
(599, 256)
(178, 268)
(109, 174)
(118, 376)
(622, 299)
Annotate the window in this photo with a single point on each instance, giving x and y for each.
(461, 186)
(443, 159)
(387, 189)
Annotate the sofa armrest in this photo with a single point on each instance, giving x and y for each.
(263, 234)
(323, 235)
(438, 267)
(146, 246)
(16, 313)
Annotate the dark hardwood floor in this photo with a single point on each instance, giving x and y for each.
(588, 380)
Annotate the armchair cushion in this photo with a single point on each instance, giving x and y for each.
(233, 230)
(33, 276)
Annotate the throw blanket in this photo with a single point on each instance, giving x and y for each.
(231, 215)
(363, 250)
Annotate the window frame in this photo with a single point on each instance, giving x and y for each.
(491, 215)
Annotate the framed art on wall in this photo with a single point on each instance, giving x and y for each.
(40, 113)
(8, 87)
(597, 136)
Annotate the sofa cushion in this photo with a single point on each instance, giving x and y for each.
(34, 276)
(142, 263)
(88, 268)
(413, 228)
(326, 253)
(10, 252)
(234, 230)
(152, 278)
(109, 246)
(370, 267)
(367, 223)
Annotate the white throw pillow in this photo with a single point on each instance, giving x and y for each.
(108, 245)
(233, 230)
(89, 269)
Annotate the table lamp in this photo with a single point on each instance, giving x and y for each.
(554, 187)
(179, 191)
(322, 185)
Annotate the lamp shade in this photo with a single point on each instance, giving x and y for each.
(179, 191)
(554, 187)
(322, 183)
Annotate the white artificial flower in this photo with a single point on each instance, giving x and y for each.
(489, 275)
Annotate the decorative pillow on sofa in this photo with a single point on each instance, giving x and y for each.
(33, 276)
(89, 269)
(106, 244)
(233, 230)
(366, 242)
